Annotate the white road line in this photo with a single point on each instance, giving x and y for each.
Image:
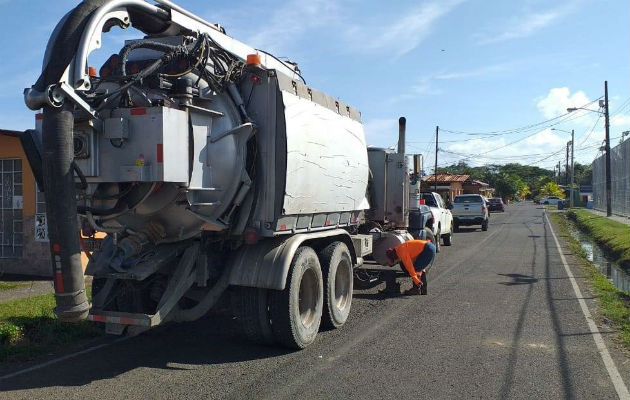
(66, 357)
(620, 386)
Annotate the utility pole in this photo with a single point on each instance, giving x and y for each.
(559, 171)
(572, 167)
(566, 167)
(608, 171)
(437, 130)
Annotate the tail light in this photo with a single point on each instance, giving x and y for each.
(251, 235)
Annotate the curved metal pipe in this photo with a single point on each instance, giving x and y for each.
(79, 72)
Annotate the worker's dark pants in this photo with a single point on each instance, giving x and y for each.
(423, 261)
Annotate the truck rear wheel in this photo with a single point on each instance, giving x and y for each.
(430, 236)
(250, 306)
(448, 238)
(435, 239)
(338, 280)
(296, 311)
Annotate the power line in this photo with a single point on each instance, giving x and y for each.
(518, 130)
(592, 129)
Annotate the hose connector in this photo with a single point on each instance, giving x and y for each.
(34, 99)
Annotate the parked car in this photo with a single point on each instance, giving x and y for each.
(496, 204)
(470, 209)
(442, 224)
(550, 200)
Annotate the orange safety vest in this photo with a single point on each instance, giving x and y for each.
(407, 253)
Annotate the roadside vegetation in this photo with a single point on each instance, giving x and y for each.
(29, 327)
(8, 285)
(614, 304)
(524, 181)
(612, 236)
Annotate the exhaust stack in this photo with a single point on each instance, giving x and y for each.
(402, 127)
(417, 164)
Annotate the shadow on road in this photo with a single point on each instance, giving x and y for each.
(464, 229)
(508, 380)
(518, 279)
(370, 278)
(183, 346)
(562, 362)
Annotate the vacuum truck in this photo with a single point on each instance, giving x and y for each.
(212, 167)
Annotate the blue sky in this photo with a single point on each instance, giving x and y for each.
(473, 66)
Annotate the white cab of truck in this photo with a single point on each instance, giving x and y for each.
(470, 209)
(442, 221)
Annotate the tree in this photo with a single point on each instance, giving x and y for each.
(508, 179)
(552, 189)
(507, 185)
(583, 174)
(524, 192)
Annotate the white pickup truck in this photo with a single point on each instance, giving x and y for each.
(470, 209)
(441, 223)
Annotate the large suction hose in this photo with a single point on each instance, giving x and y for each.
(58, 177)
(61, 214)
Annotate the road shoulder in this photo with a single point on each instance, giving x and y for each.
(582, 270)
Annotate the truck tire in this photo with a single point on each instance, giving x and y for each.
(250, 306)
(296, 311)
(431, 237)
(338, 284)
(448, 238)
(436, 241)
(484, 225)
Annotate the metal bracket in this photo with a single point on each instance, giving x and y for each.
(70, 93)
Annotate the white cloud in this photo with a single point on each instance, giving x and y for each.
(620, 121)
(525, 25)
(559, 99)
(404, 33)
(544, 138)
(279, 30)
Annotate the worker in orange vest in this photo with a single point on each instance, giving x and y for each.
(416, 256)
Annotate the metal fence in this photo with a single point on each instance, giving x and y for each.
(620, 180)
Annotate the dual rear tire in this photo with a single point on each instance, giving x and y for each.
(318, 292)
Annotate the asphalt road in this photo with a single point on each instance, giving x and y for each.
(501, 321)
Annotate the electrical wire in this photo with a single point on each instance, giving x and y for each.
(592, 129)
(520, 129)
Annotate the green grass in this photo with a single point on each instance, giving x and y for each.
(613, 304)
(8, 285)
(29, 327)
(612, 236)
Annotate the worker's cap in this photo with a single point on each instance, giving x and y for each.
(391, 254)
